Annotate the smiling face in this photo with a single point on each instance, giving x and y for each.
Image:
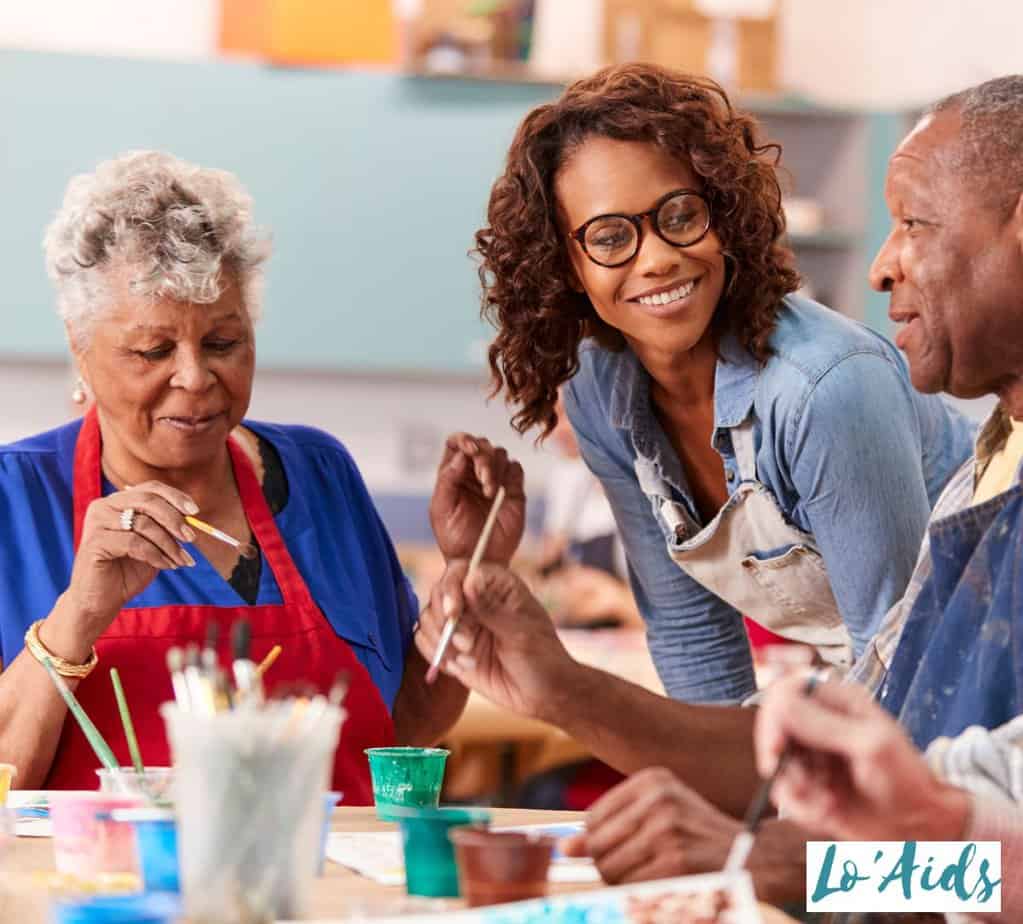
(170, 380)
(953, 264)
(664, 298)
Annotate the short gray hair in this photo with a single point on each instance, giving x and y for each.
(174, 228)
(991, 136)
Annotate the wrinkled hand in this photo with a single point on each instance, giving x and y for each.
(653, 826)
(113, 565)
(505, 646)
(469, 475)
(857, 775)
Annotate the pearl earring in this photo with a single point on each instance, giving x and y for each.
(78, 392)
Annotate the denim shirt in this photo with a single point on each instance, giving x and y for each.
(853, 455)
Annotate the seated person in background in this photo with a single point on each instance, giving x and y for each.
(945, 657)
(157, 268)
(857, 776)
(582, 563)
(763, 455)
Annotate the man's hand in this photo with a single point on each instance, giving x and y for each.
(653, 826)
(856, 775)
(469, 475)
(505, 646)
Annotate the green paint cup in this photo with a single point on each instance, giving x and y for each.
(406, 777)
(430, 868)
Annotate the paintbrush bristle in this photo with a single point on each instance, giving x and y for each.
(247, 550)
(241, 640)
(339, 689)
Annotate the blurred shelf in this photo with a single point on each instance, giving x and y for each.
(781, 104)
(495, 72)
(835, 239)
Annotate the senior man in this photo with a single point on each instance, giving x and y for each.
(942, 661)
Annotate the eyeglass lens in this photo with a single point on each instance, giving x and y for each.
(681, 220)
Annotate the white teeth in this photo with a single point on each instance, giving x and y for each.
(665, 298)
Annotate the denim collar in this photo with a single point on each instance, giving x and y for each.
(735, 383)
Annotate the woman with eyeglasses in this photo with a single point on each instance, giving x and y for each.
(763, 454)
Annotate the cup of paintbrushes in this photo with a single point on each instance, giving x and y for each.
(250, 787)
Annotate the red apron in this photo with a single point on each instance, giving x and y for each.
(137, 641)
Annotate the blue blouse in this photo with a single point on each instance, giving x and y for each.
(329, 524)
(850, 451)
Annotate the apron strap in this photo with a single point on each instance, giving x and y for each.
(87, 473)
(745, 449)
(275, 553)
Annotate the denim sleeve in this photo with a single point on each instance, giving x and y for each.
(697, 641)
(855, 459)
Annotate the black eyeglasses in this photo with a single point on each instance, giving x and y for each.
(681, 218)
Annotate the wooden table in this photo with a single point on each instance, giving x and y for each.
(333, 896)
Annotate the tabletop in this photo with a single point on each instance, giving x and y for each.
(336, 896)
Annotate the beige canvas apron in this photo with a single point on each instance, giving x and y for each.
(752, 558)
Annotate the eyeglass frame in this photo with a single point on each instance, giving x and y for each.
(579, 235)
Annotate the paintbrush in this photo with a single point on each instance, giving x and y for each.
(96, 741)
(129, 726)
(339, 689)
(175, 665)
(245, 549)
(266, 663)
(248, 682)
(477, 555)
(743, 843)
(199, 689)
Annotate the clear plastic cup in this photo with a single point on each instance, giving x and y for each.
(155, 784)
(250, 800)
(87, 842)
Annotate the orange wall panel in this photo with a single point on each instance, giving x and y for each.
(309, 31)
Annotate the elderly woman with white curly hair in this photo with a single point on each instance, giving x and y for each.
(157, 269)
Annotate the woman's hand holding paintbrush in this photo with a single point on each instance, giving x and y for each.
(128, 537)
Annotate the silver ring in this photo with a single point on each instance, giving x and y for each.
(128, 519)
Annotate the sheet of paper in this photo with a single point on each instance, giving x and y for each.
(33, 811)
(377, 856)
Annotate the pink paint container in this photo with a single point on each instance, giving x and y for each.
(86, 841)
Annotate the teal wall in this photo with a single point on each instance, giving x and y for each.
(886, 131)
(372, 184)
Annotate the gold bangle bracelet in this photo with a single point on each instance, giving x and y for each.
(63, 667)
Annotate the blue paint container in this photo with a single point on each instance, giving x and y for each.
(330, 799)
(117, 909)
(156, 833)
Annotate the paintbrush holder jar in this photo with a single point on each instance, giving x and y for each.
(250, 790)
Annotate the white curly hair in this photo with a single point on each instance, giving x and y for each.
(172, 227)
